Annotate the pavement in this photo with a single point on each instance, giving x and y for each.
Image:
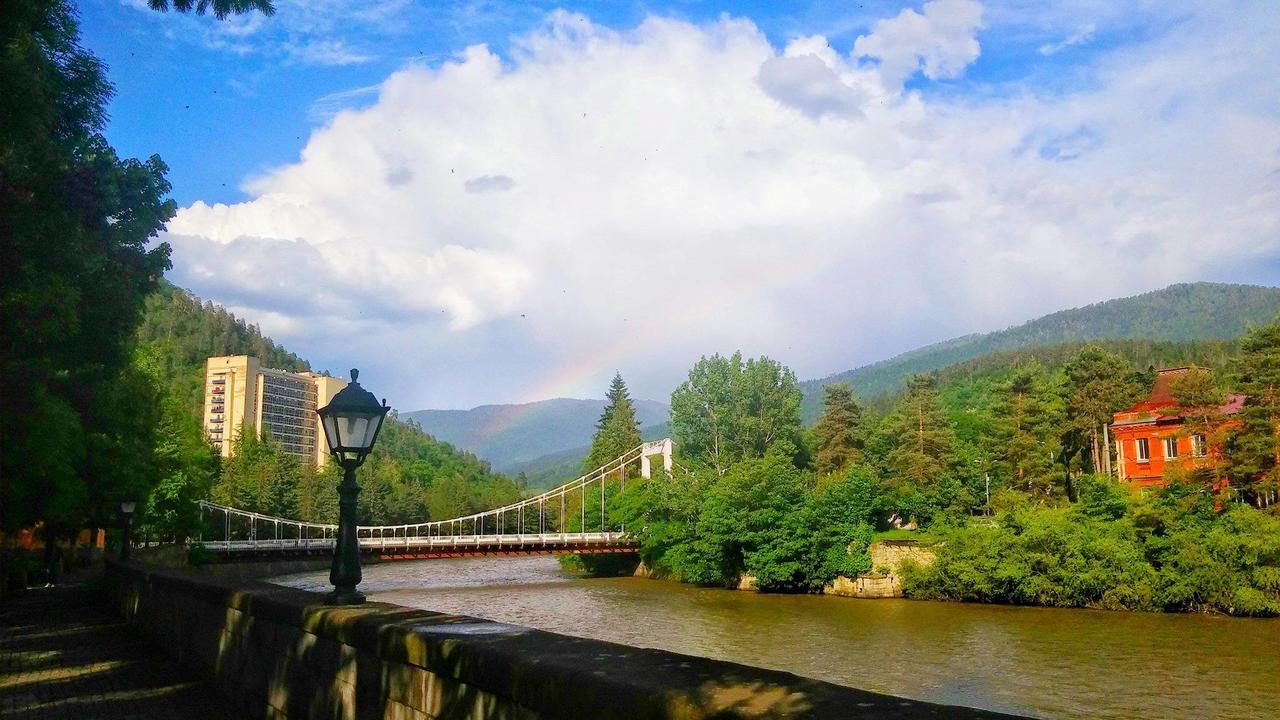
(63, 656)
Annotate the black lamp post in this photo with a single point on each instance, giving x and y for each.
(351, 423)
(126, 519)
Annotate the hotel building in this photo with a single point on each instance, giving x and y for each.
(243, 396)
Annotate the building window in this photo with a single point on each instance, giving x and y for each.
(1144, 449)
(1198, 446)
(1170, 448)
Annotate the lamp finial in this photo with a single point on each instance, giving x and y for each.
(355, 374)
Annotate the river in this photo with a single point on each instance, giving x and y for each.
(1036, 661)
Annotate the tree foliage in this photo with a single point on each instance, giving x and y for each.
(839, 438)
(729, 410)
(618, 430)
(1028, 421)
(76, 230)
(1255, 445)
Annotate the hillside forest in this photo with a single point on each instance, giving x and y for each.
(997, 460)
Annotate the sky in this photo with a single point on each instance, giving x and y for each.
(488, 202)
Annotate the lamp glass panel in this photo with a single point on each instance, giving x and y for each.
(331, 432)
(375, 422)
(128, 506)
(354, 428)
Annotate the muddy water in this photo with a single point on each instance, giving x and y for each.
(1038, 661)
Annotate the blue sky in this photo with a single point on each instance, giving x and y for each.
(219, 111)
(509, 201)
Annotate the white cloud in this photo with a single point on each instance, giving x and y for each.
(1079, 37)
(676, 189)
(940, 41)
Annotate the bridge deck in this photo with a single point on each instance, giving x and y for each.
(433, 547)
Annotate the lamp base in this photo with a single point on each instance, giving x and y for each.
(344, 596)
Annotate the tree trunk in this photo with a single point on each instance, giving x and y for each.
(1106, 448)
(1093, 436)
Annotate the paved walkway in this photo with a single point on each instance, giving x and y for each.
(63, 657)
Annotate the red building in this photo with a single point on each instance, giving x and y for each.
(1151, 436)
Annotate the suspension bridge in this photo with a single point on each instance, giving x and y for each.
(571, 518)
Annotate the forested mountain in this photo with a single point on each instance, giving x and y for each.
(1184, 312)
(510, 435)
(178, 332)
(409, 476)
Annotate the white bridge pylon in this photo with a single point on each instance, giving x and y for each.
(542, 523)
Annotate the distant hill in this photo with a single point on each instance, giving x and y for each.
(510, 435)
(1179, 313)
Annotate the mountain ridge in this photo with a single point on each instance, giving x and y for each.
(509, 435)
(1180, 312)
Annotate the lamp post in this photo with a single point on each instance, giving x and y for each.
(126, 519)
(351, 423)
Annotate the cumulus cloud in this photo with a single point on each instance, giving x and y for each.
(939, 40)
(686, 189)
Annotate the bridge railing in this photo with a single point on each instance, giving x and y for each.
(538, 519)
(486, 542)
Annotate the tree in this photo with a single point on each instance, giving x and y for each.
(1200, 400)
(221, 9)
(1028, 420)
(75, 224)
(618, 429)
(1099, 384)
(1255, 444)
(919, 437)
(728, 410)
(838, 437)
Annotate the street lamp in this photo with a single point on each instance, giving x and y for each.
(126, 519)
(351, 423)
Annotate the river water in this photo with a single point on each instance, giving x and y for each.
(1035, 661)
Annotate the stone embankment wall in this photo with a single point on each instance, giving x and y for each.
(887, 556)
(277, 652)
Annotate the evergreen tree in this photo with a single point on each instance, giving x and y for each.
(838, 437)
(618, 429)
(1028, 420)
(1255, 445)
(920, 437)
(1099, 384)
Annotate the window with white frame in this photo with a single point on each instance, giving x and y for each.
(1170, 448)
(1199, 447)
(1144, 449)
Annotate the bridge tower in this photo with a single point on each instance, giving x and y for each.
(650, 449)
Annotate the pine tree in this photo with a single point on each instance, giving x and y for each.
(1028, 419)
(838, 437)
(1255, 445)
(1099, 384)
(618, 429)
(920, 437)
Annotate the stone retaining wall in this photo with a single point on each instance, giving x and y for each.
(278, 652)
(885, 580)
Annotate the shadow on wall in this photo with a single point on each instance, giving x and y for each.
(278, 652)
